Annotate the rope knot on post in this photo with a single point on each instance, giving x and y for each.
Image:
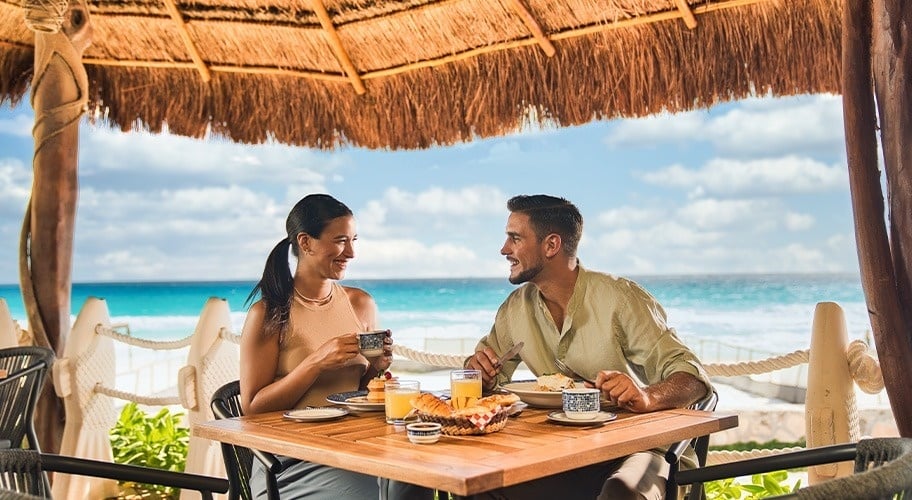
(865, 368)
(45, 16)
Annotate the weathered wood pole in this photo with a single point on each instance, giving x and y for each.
(59, 95)
(876, 46)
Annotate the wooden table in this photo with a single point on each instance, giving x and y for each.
(529, 447)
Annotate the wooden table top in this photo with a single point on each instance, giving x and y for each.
(529, 447)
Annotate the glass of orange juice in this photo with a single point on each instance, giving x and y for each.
(399, 394)
(465, 388)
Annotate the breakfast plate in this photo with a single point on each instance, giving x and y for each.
(528, 394)
(315, 414)
(355, 401)
(600, 418)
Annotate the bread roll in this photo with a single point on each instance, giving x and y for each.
(495, 400)
(554, 382)
(428, 403)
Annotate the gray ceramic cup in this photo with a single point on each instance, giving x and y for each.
(581, 403)
(371, 343)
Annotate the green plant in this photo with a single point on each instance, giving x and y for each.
(761, 486)
(157, 441)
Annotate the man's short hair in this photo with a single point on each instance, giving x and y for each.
(550, 214)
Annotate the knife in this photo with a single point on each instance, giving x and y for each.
(510, 354)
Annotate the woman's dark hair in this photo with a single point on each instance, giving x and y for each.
(550, 214)
(311, 215)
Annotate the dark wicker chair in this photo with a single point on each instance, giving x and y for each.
(226, 403)
(23, 371)
(701, 447)
(24, 472)
(883, 468)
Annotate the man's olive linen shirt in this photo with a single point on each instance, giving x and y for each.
(611, 323)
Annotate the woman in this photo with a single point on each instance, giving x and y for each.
(299, 343)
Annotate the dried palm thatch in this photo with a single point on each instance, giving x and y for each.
(417, 73)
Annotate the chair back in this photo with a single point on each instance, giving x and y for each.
(883, 470)
(22, 374)
(700, 445)
(21, 472)
(226, 403)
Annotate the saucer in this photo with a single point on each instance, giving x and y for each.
(315, 414)
(600, 418)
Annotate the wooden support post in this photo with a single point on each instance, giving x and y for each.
(534, 27)
(335, 42)
(59, 95)
(175, 13)
(686, 14)
(884, 270)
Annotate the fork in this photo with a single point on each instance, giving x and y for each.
(569, 371)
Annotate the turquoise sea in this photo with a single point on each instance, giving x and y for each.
(772, 313)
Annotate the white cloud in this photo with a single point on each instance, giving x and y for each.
(753, 127)
(19, 125)
(627, 216)
(711, 213)
(798, 222)
(385, 257)
(141, 154)
(779, 176)
(468, 201)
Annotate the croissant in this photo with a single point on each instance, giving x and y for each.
(428, 403)
(495, 400)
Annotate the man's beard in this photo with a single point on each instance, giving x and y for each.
(527, 274)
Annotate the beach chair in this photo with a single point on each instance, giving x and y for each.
(700, 445)
(883, 468)
(24, 472)
(226, 403)
(22, 374)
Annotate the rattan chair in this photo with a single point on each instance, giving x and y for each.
(700, 445)
(226, 403)
(22, 374)
(883, 469)
(24, 472)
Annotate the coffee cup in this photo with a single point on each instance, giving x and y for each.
(371, 343)
(581, 403)
(423, 432)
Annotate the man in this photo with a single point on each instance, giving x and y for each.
(604, 328)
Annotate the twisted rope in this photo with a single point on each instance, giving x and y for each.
(725, 456)
(429, 358)
(757, 367)
(865, 369)
(155, 345)
(45, 16)
(136, 398)
(226, 335)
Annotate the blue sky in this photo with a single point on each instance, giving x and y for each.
(756, 186)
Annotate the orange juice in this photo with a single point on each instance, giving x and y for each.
(464, 392)
(398, 399)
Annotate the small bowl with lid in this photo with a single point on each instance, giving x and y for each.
(423, 432)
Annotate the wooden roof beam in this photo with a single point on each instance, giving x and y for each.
(178, 18)
(333, 38)
(534, 27)
(687, 15)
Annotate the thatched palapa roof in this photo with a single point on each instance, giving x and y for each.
(415, 73)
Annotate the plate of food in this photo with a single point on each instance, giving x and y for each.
(315, 414)
(544, 392)
(356, 401)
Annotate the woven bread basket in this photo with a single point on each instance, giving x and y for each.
(462, 426)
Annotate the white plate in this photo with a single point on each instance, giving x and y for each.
(315, 414)
(542, 399)
(600, 418)
(355, 401)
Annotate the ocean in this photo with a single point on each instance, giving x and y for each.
(769, 313)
